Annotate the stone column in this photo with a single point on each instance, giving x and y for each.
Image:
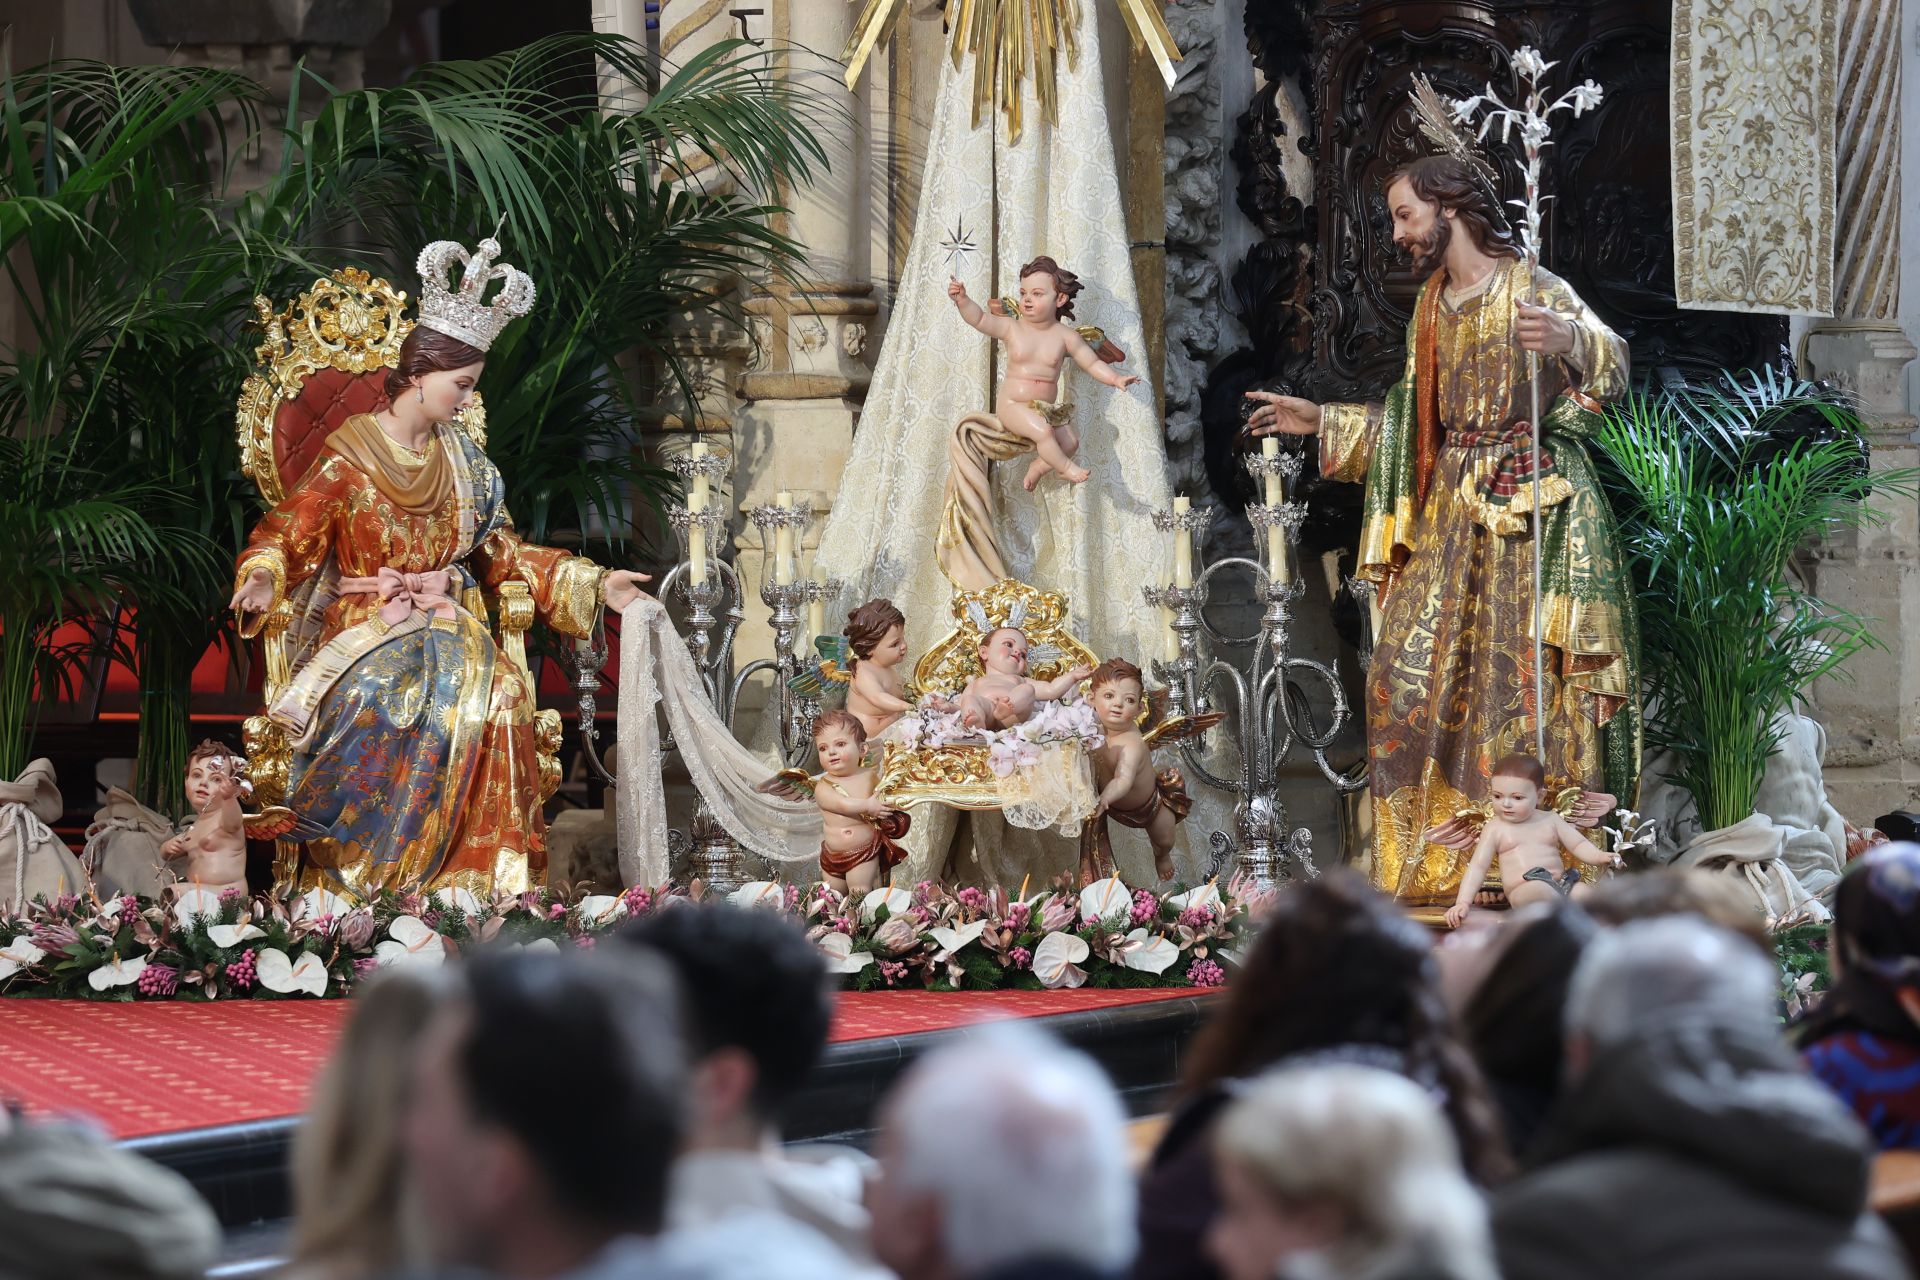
(1873, 719)
(801, 395)
(259, 38)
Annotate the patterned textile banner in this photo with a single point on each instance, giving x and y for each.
(1753, 154)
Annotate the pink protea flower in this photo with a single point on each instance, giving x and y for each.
(1059, 913)
(639, 901)
(241, 972)
(1020, 958)
(1205, 973)
(55, 937)
(158, 980)
(1146, 907)
(356, 929)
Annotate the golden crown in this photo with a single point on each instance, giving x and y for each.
(462, 313)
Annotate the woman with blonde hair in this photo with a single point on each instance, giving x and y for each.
(1343, 1172)
(351, 1209)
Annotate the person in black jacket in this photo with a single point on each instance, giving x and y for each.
(1689, 1144)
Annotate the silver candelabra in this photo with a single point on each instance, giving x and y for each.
(1268, 712)
(713, 599)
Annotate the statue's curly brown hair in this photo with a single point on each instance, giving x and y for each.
(868, 625)
(1444, 181)
(1064, 281)
(842, 720)
(1114, 669)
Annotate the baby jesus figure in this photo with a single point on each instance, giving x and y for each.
(1038, 344)
(215, 846)
(1003, 695)
(1528, 842)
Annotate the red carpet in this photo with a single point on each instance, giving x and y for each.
(140, 1069)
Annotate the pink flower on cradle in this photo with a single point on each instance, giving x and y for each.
(1146, 908)
(1205, 973)
(1009, 753)
(159, 980)
(972, 898)
(1020, 958)
(910, 732)
(241, 972)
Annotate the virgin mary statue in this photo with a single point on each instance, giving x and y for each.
(413, 741)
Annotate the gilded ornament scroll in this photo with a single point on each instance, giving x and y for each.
(1754, 93)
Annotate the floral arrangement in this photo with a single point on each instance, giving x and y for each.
(1051, 724)
(195, 945)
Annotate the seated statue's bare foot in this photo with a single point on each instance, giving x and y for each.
(1076, 475)
(1163, 866)
(1490, 898)
(1035, 469)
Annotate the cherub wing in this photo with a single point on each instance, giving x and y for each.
(1180, 728)
(270, 823)
(1096, 337)
(1459, 831)
(826, 678)
(789, 784)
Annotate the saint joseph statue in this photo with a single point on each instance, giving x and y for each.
(1450, 528)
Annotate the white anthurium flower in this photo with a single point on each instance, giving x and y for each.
(314, 903)
(1149, 954)
(758, 893)
(1204, 896)
(276, 971)
(1105, 898)
(116, 973)
(410, 941)
(602, 908)
(194, 902)
(841, 957)
(1056, 961)
(952, 940)
(18, 954)
(895, 901)
(232, 935)
(112, 906)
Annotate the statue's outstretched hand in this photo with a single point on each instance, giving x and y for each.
(255, 594)
(623, 588)
(1285, 415)
(956, 290)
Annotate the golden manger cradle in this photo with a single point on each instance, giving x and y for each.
(960, 776)
(323, 360)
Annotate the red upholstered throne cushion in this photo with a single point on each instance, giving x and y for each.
(327, 399)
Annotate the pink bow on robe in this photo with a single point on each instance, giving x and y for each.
(401, 593)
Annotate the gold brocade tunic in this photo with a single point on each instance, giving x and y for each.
(1451, 687)
(414, 762)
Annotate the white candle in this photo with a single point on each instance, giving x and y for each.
(1182, 546)
(1277, 567)
(783, 565)
(696, 531)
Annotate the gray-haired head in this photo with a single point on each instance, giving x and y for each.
(1021, 1144)
(1670, 971)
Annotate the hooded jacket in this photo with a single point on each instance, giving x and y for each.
(1695, 1152)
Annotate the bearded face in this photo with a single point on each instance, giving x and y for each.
(1420, 230)
(1429, 250)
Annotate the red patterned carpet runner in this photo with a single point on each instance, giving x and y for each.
(139, 1069)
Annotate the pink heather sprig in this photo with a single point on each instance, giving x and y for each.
(790, 898)
(129, 910)
(1146, 907)
(1205, 973)
(242, 972)
(1019, 958)
(158, 980)
(892, 971)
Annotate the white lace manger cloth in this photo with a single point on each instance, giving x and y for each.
(657, 670)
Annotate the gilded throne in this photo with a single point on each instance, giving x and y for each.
(322, 361)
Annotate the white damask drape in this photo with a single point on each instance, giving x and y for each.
(1055, 192)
